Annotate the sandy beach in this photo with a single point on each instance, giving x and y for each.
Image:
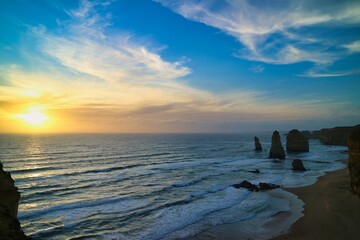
(330, 212)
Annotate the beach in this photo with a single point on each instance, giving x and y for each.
(330, 212)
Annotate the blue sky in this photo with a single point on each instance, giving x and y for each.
(181, 66)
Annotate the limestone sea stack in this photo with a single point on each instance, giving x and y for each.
(276, 150)
(298, 165)
(296, 142)
(9, 202)
(354, 159)
(257, 144)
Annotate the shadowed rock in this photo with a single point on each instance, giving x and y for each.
(255, 171)
(254, 188)
(298, 165)
(9, 202)
(267, 186)
(354, 160)
(257, 144)
(247, 185)
(277, 150)
(296, 142)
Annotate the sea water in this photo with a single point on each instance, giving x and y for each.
(152, 186)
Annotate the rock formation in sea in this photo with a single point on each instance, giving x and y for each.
(276, 150)
(254, 188)
(298, 165)
(257, 144)
(9, 202)
(354, 159)
(255, 171)
(248, 185)
(268, 186)
(296, 142)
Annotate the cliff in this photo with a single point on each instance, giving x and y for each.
(9, 201)
(335, 136)
(330, 136)
(354, 159)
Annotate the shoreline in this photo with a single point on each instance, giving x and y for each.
(330, 211)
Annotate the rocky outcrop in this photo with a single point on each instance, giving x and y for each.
(296, 142)
(254, 188)
(255, 171)
(9, 202)
(257, 144)
(298, 165)
(354, 160)
(248, 185)
(267, 186)
(277, 150)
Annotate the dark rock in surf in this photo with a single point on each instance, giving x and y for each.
(298, 165)
(296, 142)
(268, 186)
(255, 171)
(257, 144)
(247, 185)
(277, 150)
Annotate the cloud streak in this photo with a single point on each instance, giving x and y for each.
(90, 79)
(278, 32)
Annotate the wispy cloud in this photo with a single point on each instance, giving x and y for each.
(257, 68)
(280, 32)
(89, 78)
(353, 47)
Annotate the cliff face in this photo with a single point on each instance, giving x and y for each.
(277, 150)
(9, 202)
(354, 159)
(330, 136)
(335, 136)
(296, 142)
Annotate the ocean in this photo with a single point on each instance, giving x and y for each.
(152, 186)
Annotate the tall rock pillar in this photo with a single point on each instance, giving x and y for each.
(277, 150)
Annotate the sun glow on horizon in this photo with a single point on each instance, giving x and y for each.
(34, 116)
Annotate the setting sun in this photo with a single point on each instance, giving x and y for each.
(34, 116)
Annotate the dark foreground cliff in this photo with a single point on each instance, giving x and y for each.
(10, 228)
(354, 160)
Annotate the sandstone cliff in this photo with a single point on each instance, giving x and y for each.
(330, 136)
(296, 142)
(354, 159)
(9, 201)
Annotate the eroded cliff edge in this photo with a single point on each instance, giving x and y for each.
(10, 228)
(354, 160)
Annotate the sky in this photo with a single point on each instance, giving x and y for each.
(178, 66)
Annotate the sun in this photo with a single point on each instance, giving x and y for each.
(34, 116)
